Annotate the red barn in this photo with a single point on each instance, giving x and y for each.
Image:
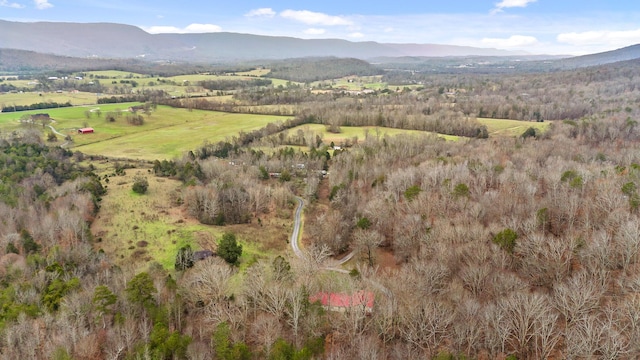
(85, 131)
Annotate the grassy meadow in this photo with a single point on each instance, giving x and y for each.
(169, 133)
(510, 128)
(137, 230)
(348, 133)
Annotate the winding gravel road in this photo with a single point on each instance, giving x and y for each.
(295, 235)
(295, 239)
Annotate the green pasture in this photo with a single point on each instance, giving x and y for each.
(254, 72)
(505, 127)
(114, 74)
(167, 133)
(66, 120)
(351, 132)
(192, 80)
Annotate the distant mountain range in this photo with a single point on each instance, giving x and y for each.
(107, 40)
(26, 47)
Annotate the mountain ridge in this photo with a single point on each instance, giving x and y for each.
(112, 40)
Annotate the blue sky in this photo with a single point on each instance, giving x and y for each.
(537, 26)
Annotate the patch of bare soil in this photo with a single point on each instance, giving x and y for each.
(386, 260)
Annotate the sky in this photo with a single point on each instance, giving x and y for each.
(565, 27)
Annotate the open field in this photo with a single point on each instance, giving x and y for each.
(28, 98)
(505, 127)
(181, 85)
(360, 82)
(354, 83)
(115, 74)
(181, 80)
(351, 132)
(68, 119)
(167, 133)
(254, 72)
(170, 132)
(136, 230)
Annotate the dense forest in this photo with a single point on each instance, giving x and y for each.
(486, 247)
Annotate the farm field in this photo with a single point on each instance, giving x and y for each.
(166, 134)
(28, 98)
(67, 117)
(505, 127)
(66, 120)
(171, 140)
(115, 74)
(354, 83)
(351, 132)
(180, 85)
(359, 83)
(180, 80)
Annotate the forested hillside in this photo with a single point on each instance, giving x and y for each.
(310, 70)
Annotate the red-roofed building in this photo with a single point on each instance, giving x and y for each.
(342, 302)
(85, 131)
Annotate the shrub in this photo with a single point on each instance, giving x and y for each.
(461, 190)
(412, 192)
(11, 248)
(364, 223)
(506, 239)
(140, 184)
(28, 244)
(530, 132)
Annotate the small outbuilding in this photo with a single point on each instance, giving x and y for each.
(85, 131)
(40, 117)
(202, 254)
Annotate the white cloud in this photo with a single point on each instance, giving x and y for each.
(511, 42)
(356, 35)
(314, 18)
(601, 37)
(42, 4)
(5, 3)
(202, 28)
(511, 4)
(314, 31)
(190, 29)
(262, 12)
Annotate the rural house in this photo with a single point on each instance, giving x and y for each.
(85, 130)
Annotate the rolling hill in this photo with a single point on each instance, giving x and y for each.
(622, 54)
